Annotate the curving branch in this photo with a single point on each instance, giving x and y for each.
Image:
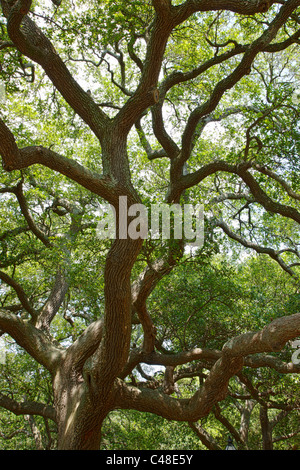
(265, 200)
(13, 232)
(268, 172)
(207, 440)
(271, 338)
(30, 41)
(176, 78)
(165, 140)
(260, 196)
(253, 246)
(34, 341)
(140, 291)
(26, 304)
(18, 190)
(146, 93)
(151, 154)
(231, 429)
(272, 362)
(85, 346)
(240, 71)
(14, 158)
(191, 179)
(27, 408)
(248, 7)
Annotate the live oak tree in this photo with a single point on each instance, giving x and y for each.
(83, 79)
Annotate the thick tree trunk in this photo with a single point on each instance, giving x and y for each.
(84, 391)
(76, 423)
(86, 395)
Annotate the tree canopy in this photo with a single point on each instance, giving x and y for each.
(164, 102)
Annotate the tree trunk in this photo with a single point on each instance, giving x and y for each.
(75, 419)
(266, 431)
(245, 421)
(84, 389)
(84, 396)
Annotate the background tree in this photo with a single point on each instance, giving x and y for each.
(110, 99)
